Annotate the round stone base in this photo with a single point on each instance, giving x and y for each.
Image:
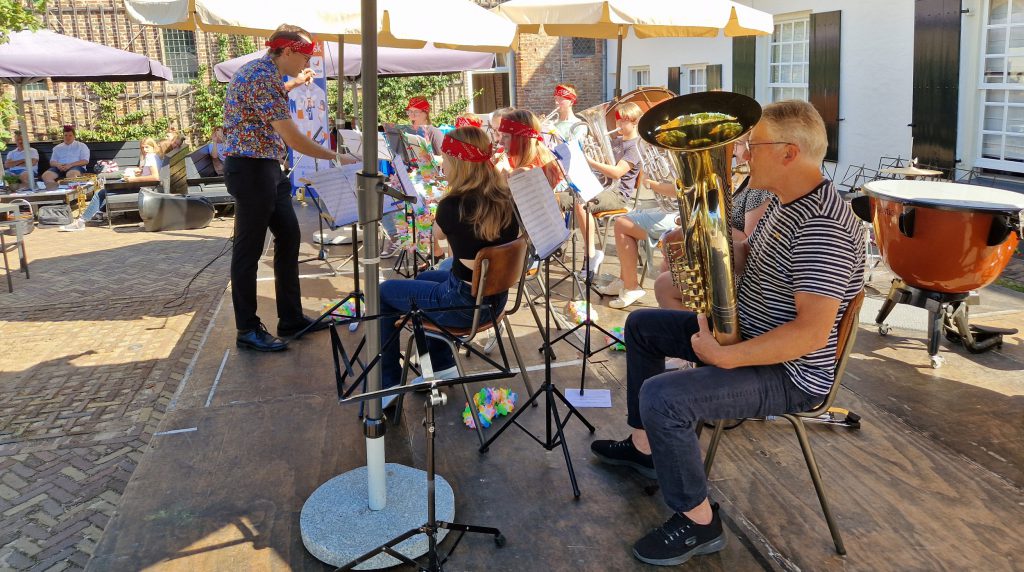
(338, 526)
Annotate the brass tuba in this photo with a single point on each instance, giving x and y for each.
(593, 133)
(697, 129)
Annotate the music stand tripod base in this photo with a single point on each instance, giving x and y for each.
(337, 526)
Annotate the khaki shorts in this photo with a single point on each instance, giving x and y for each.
(609, 200)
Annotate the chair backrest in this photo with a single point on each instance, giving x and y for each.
(846, 333)
(498, 268)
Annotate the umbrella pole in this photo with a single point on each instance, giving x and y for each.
(339, 117)
(618, 66)
(370, 204)
(19, 94)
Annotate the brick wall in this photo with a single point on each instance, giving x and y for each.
(106, 22)
(544, 61)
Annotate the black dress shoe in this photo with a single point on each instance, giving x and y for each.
(260, 340)
(287, 331)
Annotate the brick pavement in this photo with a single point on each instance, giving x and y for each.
(94, 346)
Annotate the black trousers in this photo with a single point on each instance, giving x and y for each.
(263, 201)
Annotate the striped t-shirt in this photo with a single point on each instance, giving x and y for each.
(813, 244)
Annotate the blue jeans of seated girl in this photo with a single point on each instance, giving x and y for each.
(430, 290)
(95, 204)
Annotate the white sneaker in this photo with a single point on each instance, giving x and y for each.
(613, 288)
(595, 262)
(75, 226)
(678, 363)
(391, 248)
(627, 297)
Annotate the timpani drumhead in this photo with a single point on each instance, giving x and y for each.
(946, 196)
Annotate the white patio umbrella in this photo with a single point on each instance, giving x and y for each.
(612, 19)
(454, 24)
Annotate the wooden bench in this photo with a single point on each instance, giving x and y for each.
(124, 197)
(203, 180)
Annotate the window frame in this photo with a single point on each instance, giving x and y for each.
(703, 69)
(174, 59)
(632, 71)
(775, 39)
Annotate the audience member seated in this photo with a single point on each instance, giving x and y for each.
(148, 171)
(14, 163)
(172, 141)
(68, 159)
(217, 149)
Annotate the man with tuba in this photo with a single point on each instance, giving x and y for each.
(801, 267)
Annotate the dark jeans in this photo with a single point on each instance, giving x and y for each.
(669, 405)
(430, 290)
(263, 201)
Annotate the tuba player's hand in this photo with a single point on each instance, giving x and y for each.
(705, 345)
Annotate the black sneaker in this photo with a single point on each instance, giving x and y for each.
(623, 453)
(679, 539)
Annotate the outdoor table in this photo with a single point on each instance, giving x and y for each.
(53, 194)
(123, 186)
(19, 238)
(911, 172)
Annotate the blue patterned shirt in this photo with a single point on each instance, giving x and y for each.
(256, 97)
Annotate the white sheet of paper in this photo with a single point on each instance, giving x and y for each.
(539, 211)
(336, 188)
(574, 162)
(403, 176)
(353, 140)
(590, 397)
(383, 151)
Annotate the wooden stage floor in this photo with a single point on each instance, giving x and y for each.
(931, 481)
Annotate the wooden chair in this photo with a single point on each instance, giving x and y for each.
(847, 333)
(497, 270)
(606, 219)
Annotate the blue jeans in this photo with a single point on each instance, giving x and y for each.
(670, 405)
(430, 290)
(95, 204)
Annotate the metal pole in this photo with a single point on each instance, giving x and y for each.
(512, 92)
(339, 117)
(370, 204)
(19, 94)
(618, 67)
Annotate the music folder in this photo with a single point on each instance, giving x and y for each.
(538, 209)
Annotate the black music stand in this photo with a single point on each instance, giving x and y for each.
(587, 324)
(322, 255)
(435, 560)
(554, 422)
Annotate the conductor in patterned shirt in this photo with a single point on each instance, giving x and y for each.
(802, 266)
(258, 125)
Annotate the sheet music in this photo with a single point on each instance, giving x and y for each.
(403, 176)
(539, 211)
(336, 188)
(581, 178)
(353, 140)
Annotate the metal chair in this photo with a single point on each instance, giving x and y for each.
(497, 269)
(19, 223)
(847, 333)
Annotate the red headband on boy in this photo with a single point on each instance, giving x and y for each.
(296, 45)
(468, 122)
(418, 103)
(461, 150)
(516, 129)
(562, 91)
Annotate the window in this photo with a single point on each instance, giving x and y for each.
(1002, 115)
(36, 86)
(789, 49)
(583, 47)
(697, 78)
(639, 77)
(180, 54)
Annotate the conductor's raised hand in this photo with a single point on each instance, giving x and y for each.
(705, 345)
(305, 76)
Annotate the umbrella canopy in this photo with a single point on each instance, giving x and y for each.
(31, 56)
(605, 19)
(390, 61)
(400, 23)
(612, 19)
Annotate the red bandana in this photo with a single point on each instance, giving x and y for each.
(295, 45)
(617, 116)
(418, 103)
(461, 150)
(516, 129)
(468, 122)
(562, 91)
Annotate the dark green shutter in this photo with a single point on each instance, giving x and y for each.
(743, 52)
(713, 75)
(673, 80)
(936, 81)
(823, 75)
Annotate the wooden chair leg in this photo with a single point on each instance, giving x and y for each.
(812, 467)
(709, 459)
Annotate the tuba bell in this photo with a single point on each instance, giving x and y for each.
(696, 129)
(593, 135)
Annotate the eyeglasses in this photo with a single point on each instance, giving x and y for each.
(747, 146)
